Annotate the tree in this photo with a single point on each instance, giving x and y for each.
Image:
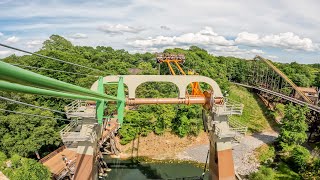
(294, 126)
(24, 135)
(24, 168)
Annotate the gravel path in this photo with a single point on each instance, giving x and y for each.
(243, 156)
(244, 160)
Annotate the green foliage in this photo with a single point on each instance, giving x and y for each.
(24, 135)
(3, 157)
(284, 172)
(300, 74)
(265, 153)
(300, 156)
(182, 120)
(24, 168)
(279, 110)
(264, 173)
(294, 126)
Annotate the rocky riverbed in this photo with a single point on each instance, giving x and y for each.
(170, 146)
(243, 152)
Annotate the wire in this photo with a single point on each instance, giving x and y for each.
(19, 102)
(32, 67)
(48, 117)
(205, 165)
(52, 58)
(34, 106)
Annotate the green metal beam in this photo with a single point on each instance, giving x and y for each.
(100, 105)
(7, 86)
(121, 102)
(21, 76)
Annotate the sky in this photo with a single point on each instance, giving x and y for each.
(280, 30)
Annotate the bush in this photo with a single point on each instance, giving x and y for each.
(265, 153)
(284, 172)
(300, 156)
(264, 173)
(24, 168)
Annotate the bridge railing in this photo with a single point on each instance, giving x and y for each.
(69, 171)
(70, 134)
(237, 126)
(47, 157)
(75, 107)
(66, 131)
(229, 108)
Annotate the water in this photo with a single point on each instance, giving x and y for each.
(133, 170)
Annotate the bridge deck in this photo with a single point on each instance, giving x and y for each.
(56, 165)
(84, 162)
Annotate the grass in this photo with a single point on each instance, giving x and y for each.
(255, 114)
(264, 153)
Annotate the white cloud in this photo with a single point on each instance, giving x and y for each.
(1, 34)
(204, 37)
(257, 51)
(119, 29)
(247, 38)
(227, 20)
(33, 43)
(12, 39)
(236, 51)
(79, 36)
(286, 40)
(4, 53)
(272, 57)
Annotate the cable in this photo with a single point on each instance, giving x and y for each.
(19, 102)
(32, 67)
(48, 117)
(205, 165)
(52, 58)
(34, 106)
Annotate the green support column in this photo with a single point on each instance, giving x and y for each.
(121, 101)
(100, 104)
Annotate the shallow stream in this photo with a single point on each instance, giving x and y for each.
(150, 169)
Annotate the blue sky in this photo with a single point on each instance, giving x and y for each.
(283, 31)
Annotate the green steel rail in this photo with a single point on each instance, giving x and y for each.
(7, 86)
(21, 76)
(15, 79)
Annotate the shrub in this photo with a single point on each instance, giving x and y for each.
(264, 173)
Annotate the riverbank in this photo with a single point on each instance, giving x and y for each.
(169, 146)
(166, 146)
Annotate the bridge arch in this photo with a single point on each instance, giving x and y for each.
(181, 81)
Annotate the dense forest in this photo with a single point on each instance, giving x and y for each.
(21, 136)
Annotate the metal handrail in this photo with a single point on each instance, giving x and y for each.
(47, 157)
(228, 108)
